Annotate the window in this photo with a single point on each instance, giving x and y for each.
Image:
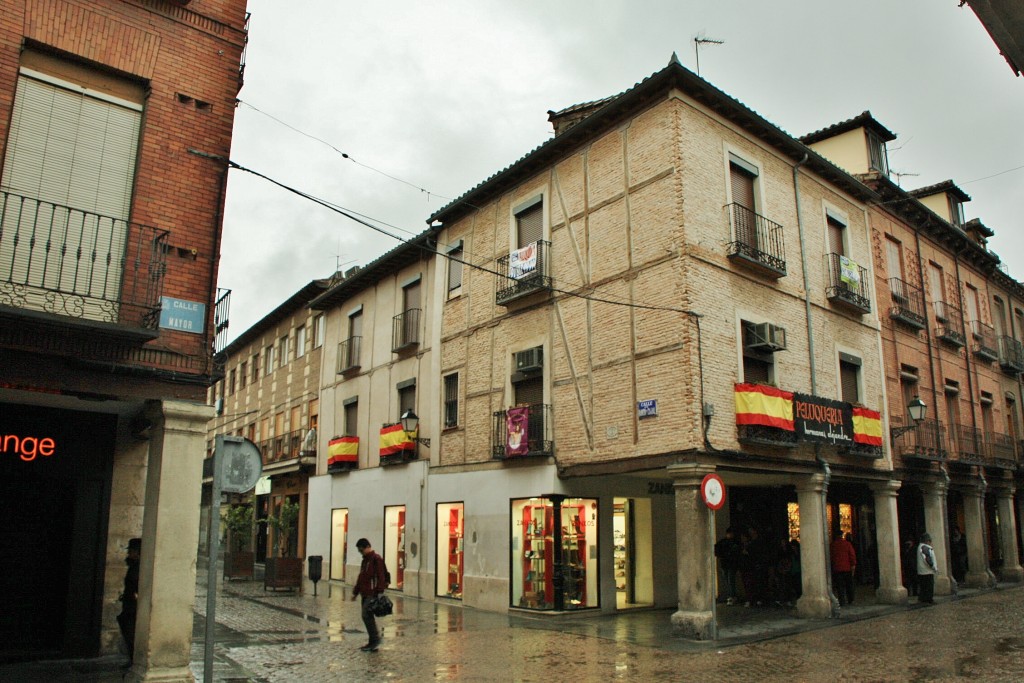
(849, 378)
(231, 382)
(451, 400)
(407, 324)
(406, 397)
(449, 552)
(300, 341)
(268, 360)
(894, 257)
(394, 544)
(877, 156)
(1012, 418)
(973, 304)
(987, 419)
(836, 233)
(741, 182)
(530, 225)
(455, 270)
(908, 387)
(73, 143)
(243, 374)
(255, 367)
(282, 351)
(351, 424)
(956, 211)
(318, 331)
(935, 284)
(758, 362)
(999, 316)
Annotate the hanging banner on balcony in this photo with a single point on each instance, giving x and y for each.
(849, 272)
(822, 420)
(522, 262)
(517, 423)
(760, 404)
(394, 441)
(342, 452)
(867, 426)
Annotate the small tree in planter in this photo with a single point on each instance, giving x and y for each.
(239, 560)
(283, 571)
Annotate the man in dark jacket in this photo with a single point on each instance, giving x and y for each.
(371, 582)
(728, 552)
(130, 596)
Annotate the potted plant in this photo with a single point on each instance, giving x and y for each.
(239, 558)
(283, 571)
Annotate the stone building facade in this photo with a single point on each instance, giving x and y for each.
(110, 243)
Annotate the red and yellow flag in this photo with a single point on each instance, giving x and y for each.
(759, 404)
(394, 440)
(867, 426)
(342, 449)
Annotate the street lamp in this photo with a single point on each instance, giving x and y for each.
(410, 423)
(917, 410)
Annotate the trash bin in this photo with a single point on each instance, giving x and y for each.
(316, 569)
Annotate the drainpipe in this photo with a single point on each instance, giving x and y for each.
(825, 469)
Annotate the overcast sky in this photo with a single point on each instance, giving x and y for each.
(442, 95)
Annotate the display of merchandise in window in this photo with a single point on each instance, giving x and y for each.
(554, 553)
(450, 532)
(394, 544)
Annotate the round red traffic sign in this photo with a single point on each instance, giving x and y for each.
(712, 489)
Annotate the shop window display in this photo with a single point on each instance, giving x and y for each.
(450, 531)
(554, 553)
(394, 544)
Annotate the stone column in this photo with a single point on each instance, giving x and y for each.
(1011, 569)
(815, 602)
(695, 561)
(935, 525)
(170, 536)
(974, 532)
(887, 539)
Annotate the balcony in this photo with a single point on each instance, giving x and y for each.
(907, 304)
(405, 330)
(526, 271)
(1002, 451)
(760, 435)
(63, 269)
(523, 432)
(756, 242)
(284, 453)
(927, 442)
(847, 284)
(951, 326)
(1011, 355)
(983, 341)
(348, 355)
(969, 443)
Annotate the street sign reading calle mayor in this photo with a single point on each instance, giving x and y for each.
(241, 465)
(182, 315)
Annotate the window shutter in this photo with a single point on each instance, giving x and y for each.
(848, 375)
(454, 269)
(530, 225)
(530, 391)
(742, 182)
(835, 236)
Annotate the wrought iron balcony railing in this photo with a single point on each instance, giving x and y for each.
(523, 431)
(759, 435)
(756, 241)
(79, 264)
(907, 304)
(1011, 355)
(1002, 451)
(348, 355)
(526, 270)
(405, 330)
(950, 324)
(926, 442)
(280, 448)
(847, 284)
(983, 341)
(968, 442)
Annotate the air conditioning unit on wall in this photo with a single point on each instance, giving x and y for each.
(530, 360)
(765, 337)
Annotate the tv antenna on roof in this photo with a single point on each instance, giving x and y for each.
(899, 176)
(703, 40)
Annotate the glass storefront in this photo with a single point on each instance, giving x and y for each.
(554, 553)
(339, 543)
(394, 544)
(450, 527)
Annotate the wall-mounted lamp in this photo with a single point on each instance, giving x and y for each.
(410, 423)
(917, 410)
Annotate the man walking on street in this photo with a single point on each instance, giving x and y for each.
(371, 582)
(926, 570)
(844, 563)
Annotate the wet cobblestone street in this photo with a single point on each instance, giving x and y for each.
(288, 637)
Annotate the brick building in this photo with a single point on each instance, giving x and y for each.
(109, 250)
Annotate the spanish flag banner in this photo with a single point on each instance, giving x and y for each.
(867, 426)
(394, 441)
(342, 449)
(759, 404)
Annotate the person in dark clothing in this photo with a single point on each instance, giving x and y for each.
(958, 552)
(909, 563)
(728, 552)
(844, 564)
(371, 582)
(759, 562)
(130, 597)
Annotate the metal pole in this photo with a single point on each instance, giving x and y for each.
(714, 576)
(213, 538)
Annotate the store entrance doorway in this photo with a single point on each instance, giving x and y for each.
(632, 551)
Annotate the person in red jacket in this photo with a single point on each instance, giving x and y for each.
(371, 582)
(844, 563)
